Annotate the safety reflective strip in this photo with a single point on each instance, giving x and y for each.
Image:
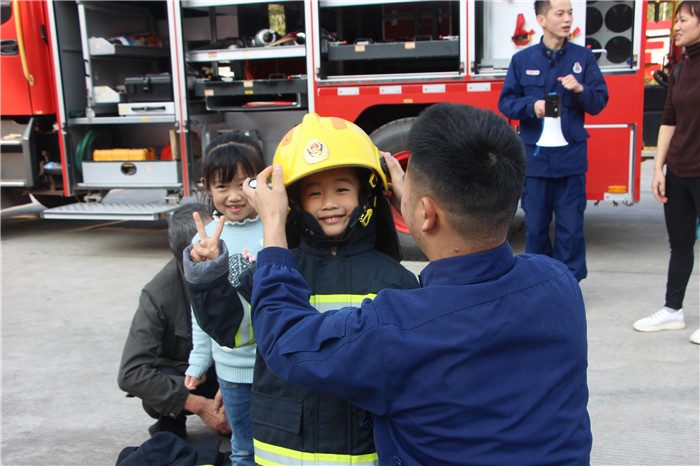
(246, 326)
(271, 455)
(327, 302)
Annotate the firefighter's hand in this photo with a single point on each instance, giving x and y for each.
(271, 203)
(539, 108)
(658, 186)
(570, 83)
(206, 249)
(397, 179)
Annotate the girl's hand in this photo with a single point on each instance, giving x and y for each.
(192, 382)
(247, 255)
(206, 249)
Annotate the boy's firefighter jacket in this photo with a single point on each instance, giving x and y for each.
(293, 424)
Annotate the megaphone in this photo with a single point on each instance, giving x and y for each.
(551, 129)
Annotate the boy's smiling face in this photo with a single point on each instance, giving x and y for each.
(331, 196)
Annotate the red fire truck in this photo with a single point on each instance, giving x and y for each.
(126, 93)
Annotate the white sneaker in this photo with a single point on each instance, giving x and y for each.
(695, 337)
(664, 319)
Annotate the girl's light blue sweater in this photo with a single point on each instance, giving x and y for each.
(232, 364)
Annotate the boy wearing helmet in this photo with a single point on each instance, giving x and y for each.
(345, 246)
(486, 362)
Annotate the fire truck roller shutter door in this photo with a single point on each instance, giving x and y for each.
(391, 137)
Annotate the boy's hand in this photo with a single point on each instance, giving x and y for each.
(206, 249)
(397, 183)
(271, 204)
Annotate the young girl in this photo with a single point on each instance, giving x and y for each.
(228, 161)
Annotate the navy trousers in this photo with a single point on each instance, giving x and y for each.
(563, 199)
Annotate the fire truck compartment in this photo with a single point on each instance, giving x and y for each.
(130, 174)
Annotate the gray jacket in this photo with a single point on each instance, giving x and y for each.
(160, 336)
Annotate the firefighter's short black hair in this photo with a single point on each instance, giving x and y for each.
(472, 162)
(542, 7)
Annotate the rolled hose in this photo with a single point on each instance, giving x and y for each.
(96, 138)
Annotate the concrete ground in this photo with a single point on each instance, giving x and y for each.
(69, 290)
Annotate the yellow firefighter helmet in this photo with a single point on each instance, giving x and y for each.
(321, 143)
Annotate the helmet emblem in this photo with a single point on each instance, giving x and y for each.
(315, 151)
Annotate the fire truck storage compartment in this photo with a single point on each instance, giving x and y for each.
(259, 94)
(149, 88)
(121, 40)
(132, 174)
(254, 58)
(366, 38)
(126, 99)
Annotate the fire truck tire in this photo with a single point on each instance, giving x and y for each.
(391, 137)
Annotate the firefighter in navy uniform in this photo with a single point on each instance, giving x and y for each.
(293, 424)
(555, 184)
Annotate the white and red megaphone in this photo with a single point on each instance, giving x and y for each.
(551, 128)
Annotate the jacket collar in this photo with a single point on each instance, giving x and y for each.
(553, 55)
(469, 269)
(693, 51)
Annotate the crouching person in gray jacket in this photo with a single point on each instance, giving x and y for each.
(158, 345)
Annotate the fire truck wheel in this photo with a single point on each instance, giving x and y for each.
(391, 137)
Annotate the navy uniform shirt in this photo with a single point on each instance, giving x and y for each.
(484, 364)
(534, 73)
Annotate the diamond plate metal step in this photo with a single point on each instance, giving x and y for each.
(110, 211)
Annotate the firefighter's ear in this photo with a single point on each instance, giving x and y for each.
(430, 214)
(540, 20)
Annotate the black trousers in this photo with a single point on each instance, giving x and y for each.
(681, 212)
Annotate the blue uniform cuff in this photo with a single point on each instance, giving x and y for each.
(275, 255)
